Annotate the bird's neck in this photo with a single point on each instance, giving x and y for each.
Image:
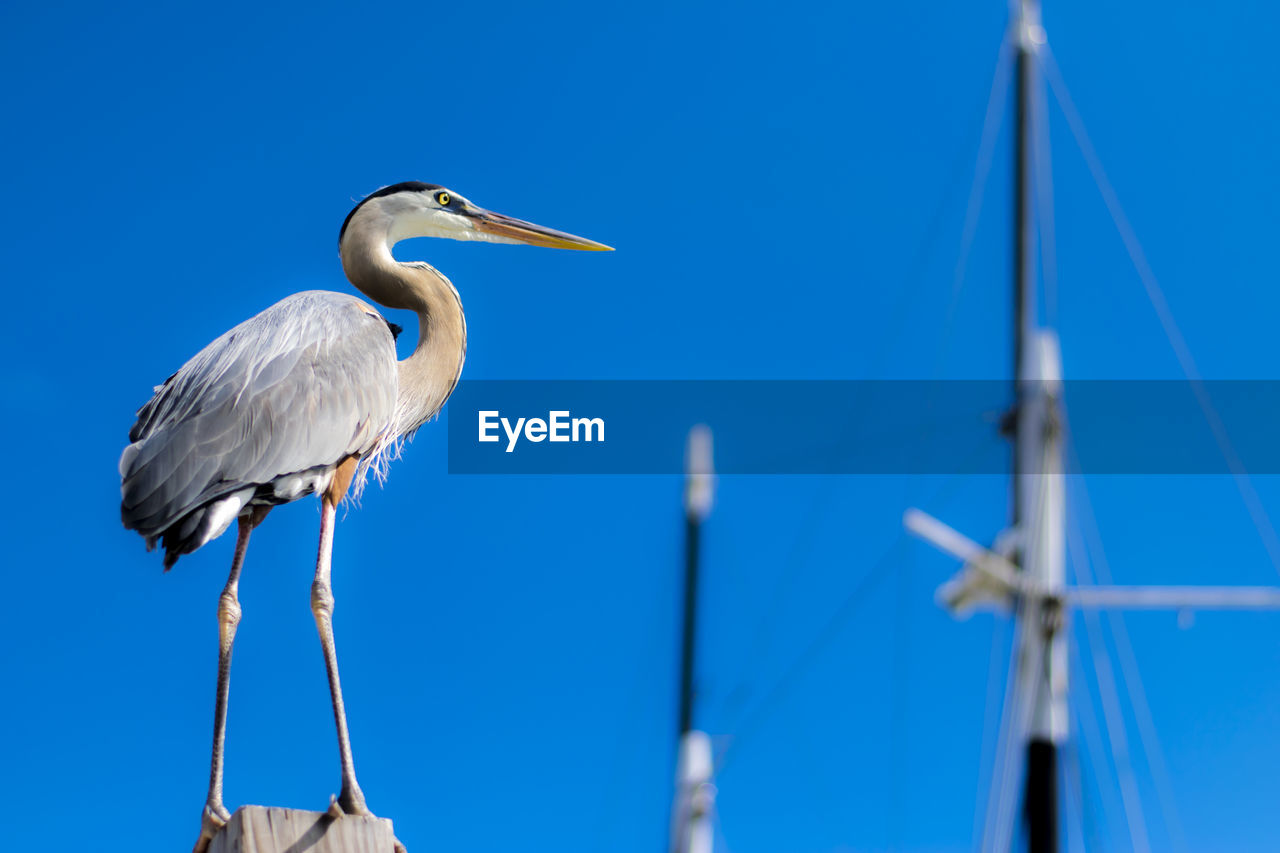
(428, 376)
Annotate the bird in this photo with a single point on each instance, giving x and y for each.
(307, 398)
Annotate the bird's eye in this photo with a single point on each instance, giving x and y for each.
(442, 199)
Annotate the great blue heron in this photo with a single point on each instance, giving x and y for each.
(307, 398)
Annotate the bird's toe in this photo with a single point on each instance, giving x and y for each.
(212, 820)
(335, 811)
(352, 803)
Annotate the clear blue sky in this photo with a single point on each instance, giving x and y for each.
(786, 187)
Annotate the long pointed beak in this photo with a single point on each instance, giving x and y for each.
(533, 235)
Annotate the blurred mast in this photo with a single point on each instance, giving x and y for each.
(691, 828)
(1025, 569)
(1039, 502)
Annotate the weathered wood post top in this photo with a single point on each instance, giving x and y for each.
(262, 829)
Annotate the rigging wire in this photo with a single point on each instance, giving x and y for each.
(1002, 835)
(869, 583)
(1112, 712)
(1129, 671)
(997, 829)
(1000, 785)
(1017, 709)
(1092, 734)
(643, 677)
(991, 121)
(764, 632)
(1002, 831)
(718, 838)
(1003, 749)
(988, 752)
(879, 570)
(1253, 503)
(1074, 792)
(762, 637)
(993, 117)
(736, 700)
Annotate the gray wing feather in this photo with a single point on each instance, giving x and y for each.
(303, 385)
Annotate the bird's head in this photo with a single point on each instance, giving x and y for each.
(415, 209)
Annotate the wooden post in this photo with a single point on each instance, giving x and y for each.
(262, 829)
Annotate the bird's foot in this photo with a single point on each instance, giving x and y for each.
(212, 820)
(350, 801)
(353, 804)
(335, 811)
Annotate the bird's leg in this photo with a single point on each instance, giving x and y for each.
(215, 815)
(351, 799)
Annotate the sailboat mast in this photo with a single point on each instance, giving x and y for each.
(1025, 568)
(691, 829)
(1038, 489)
(697, 503)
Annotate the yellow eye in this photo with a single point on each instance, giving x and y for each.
(442, 199)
